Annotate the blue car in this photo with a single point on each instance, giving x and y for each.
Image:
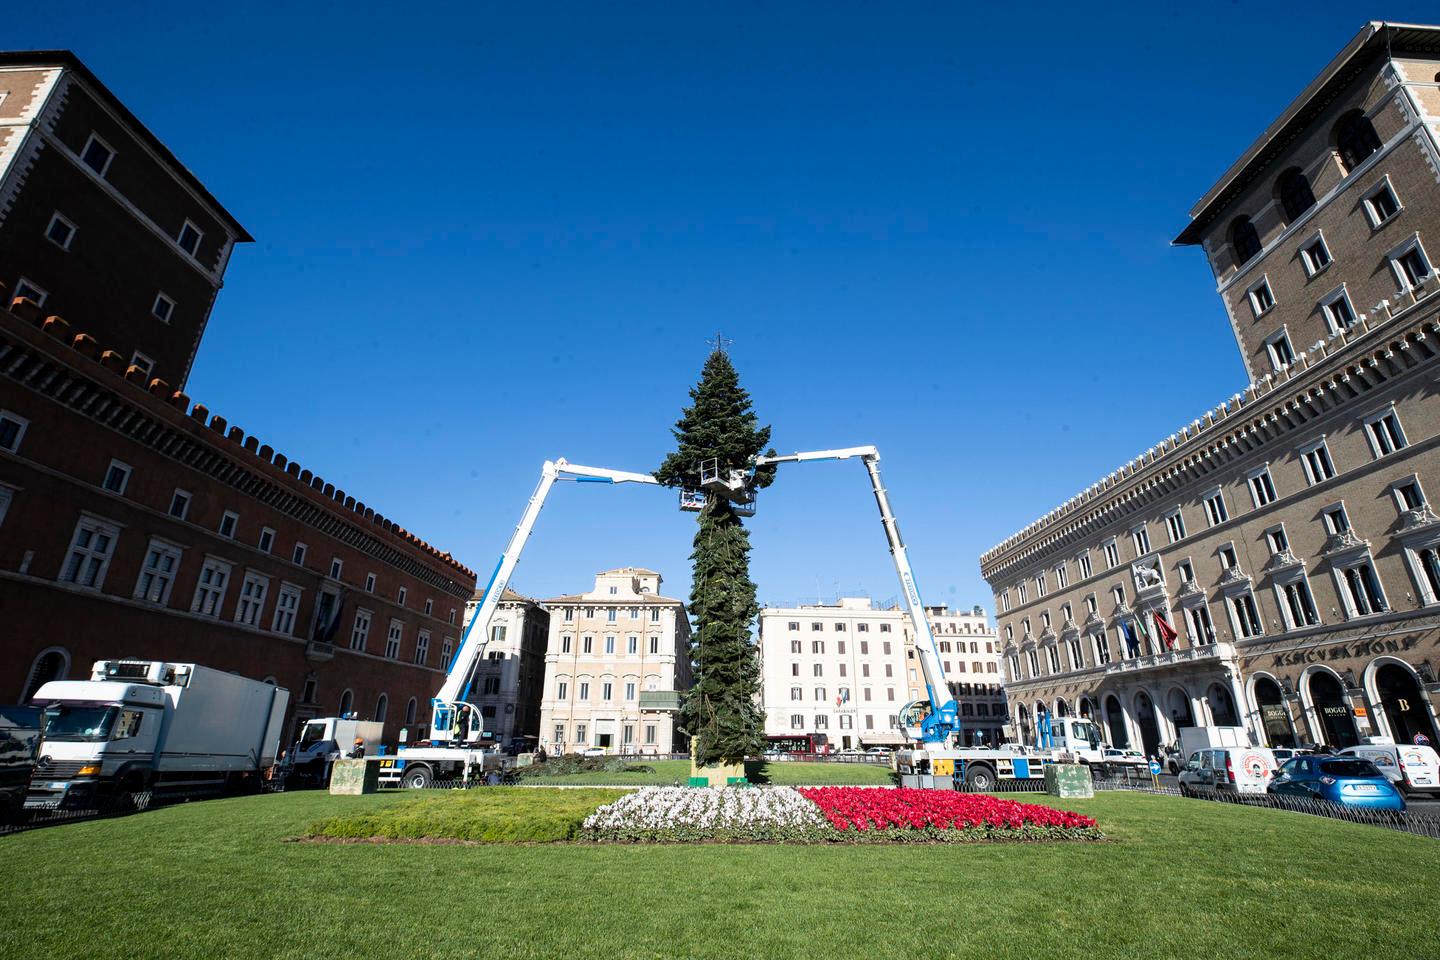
(1344, 780)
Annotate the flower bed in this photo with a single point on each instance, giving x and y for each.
(828, 814)
(906, 814)
(772, 814)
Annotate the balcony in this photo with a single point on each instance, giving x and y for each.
(659, 700)
(1209, 653)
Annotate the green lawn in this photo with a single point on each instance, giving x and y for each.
(492, 815)
(786, 773)
(1180, 879)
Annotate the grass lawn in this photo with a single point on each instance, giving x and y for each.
(492, 815)
(1180, 879)
(785, 773)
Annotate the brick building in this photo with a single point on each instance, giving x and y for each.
(100, 222)
(510, 681)
(134, 523)
(1286, 535)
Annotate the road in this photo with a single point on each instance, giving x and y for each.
(1428, 806)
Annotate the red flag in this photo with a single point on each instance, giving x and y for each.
(1166, 632)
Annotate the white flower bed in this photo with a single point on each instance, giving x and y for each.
(710, 813)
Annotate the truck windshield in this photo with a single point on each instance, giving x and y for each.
(78, 723)
(1085, 730)
(312, 733)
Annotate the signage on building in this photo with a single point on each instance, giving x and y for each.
(1362, 711)
(1334, 710)
(1344, 651)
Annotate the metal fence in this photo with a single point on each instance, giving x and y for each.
(34, 819)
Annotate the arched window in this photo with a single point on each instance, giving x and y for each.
(1295, 194)
(51, 664)
(410, 711)
(1355, 139)
(1244, 239)
(382, 706)
(347, 703)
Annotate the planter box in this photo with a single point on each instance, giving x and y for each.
(354, 777)
(1068, 780)
(722, 775)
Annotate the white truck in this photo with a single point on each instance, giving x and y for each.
(1072, 739)
(324, 740)
(141, 728)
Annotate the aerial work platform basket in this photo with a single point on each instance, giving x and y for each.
(736, 486)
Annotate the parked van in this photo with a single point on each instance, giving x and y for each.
(1228, 770)
(1411, 768)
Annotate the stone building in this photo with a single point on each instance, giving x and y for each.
(1285, 536)
(99, 222)
(133, 522)
(510, 680)
(616, 661)
(845, 669)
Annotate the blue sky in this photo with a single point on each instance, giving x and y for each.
(491, 234)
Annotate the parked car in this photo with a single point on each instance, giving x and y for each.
(593, 752)
(19, 740)
(878, 751)
(1114, 761)
(1340, 779)
(1411, 768)
(1227, 770)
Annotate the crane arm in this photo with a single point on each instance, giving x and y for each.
(943, 719)
(472, 643)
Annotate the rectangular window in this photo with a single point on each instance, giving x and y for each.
(817, 669)
(885, 628)
(1384, 433)
(1335, 519)
(30, 290)
(562, 690)
(1040, 586)
(1262, 488)
(839, 628)
(1024, 593)
(1215, 511)
(287, 603)
(1317, 463)
(1112, 555)
(336, 566)
(1428, 560)
(654, 644)
(189, 238)
(117, 475)
(492, 686)
(1315, 255)
(1408, 494)
(1083, 562)
(1226, 553)
(1297, 605)
(401, 596)
(157, 575)
(429, 606)
(610, 614)
(97, 155)
(1202, 628)
(1062, 577)
(228, 522)
(565, 644)
(392, 639)
(1338, 310)
(446, 647)
(297, 556)
(267, 539)
(1005, 601)
(163, 308)
(817, 646)
(1140, 537)
(422, 647)
(210, 590)
(1102, 647)
(610, 644)
(632, 644)
(1410, 265)
(1381, 204)
(650, 733)
(607, 691)
(91, 548)
(1175, 526)
(630, 690)
(1246, 616)
(797, 693)
(60, 231)
(1117, 593)
(1277, 541)
(1261, 299)
(654, 614)
(360, 633)
(634, 613)
(252, 599)
(12, 430)
(1281, 353)
(587, 644)
(581, 732)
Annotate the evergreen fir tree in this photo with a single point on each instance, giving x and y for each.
(720, 711)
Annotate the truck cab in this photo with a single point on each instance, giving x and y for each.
(98, 740)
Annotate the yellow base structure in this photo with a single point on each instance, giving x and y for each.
(720, 775)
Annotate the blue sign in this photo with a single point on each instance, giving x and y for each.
(1154, 768)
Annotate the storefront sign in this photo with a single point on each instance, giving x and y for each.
(1362, 712)
(1345, 651)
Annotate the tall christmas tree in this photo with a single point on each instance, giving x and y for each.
(720, 711)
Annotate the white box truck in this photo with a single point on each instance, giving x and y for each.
(142, 728)
(324, 740)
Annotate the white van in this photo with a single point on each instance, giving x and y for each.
(1233, 770)
(1413, 769)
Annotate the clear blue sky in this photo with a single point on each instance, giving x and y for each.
(492, 234)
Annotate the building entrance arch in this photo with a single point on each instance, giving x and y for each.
(1115, 722)
(1274, 717)
(1222, 706)
(1405, 706)
(52, 663)
(1149, 727)
(1062, 709)
(1327, 697)
(1177, 705)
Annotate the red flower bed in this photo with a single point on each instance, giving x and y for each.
(903, 809)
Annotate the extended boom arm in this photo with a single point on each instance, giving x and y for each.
(942, 719)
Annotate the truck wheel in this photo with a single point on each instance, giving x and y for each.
(417, 778)
(980, 779)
